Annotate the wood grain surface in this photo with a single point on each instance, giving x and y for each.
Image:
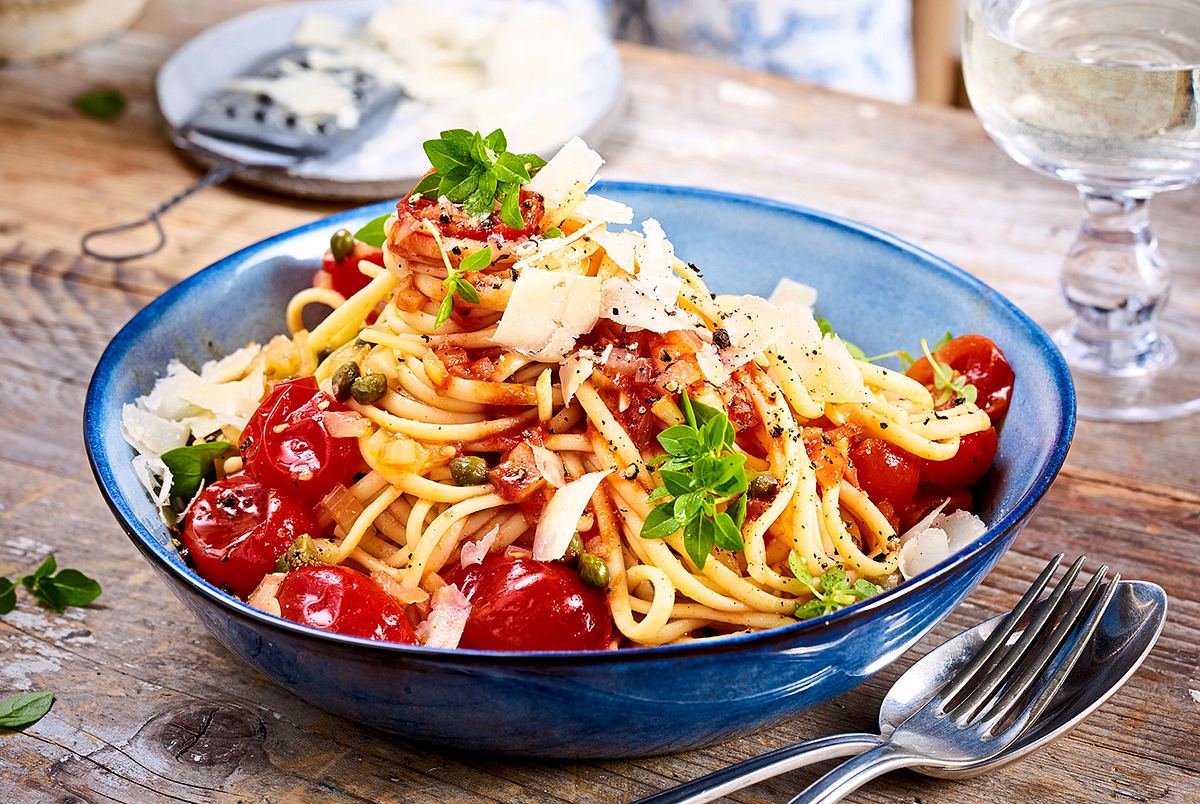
(151, 709)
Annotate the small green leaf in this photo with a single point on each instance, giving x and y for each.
(444, 310)
(510, 169)
(658, 494)
(427, 187)
(510, 207)
(372, 232)
(477, 261)
(945, 339)
(680, 440)
(660, 523)
(824, 326)
(704, 413)
(48, 593)
(191, 465)
(466, 291)
(855, 351)
(737, 510)
(687, 506)
(533, 163)
(445, 157)
(101, 104)
(497, 142)
(864, 589)
(552, 232)
(458, 184)
(25, 709)
(699, 536)
(8, 595)
(45, 570)
(73, 588)
(727, 534)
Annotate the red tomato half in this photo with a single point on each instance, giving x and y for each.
(347, 279)
(886, 472)
(969, 464)
(980, 360)
(523, 604)
(287, 444)
(238, 527)
(341, 600)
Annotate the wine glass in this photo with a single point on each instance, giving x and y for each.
(1103, 94)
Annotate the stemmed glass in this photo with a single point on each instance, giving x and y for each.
(1103, 94)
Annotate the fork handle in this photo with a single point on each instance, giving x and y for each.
(757, 769)
(854, 773)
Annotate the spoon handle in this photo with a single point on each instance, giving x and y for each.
(758, 769)
(857, 771)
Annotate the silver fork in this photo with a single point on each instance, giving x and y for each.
(974, 716)
(995, 697)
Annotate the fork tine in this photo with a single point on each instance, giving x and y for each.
(1088, 610)
(995, 676)
(1001, 633)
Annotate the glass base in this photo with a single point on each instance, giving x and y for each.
(1169, 387)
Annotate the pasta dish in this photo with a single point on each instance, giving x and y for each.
(507, 418)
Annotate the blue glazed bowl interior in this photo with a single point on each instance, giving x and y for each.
(877, 291)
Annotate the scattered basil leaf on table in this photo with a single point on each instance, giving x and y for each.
(101, 104)
(45, 570)
(191, 465)
(69, 587)
(8, 595)
(25, 709)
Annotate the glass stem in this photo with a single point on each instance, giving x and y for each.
(1116, 283)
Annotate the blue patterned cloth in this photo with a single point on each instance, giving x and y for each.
(859, 46)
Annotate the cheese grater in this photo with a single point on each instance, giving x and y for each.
(265, 132)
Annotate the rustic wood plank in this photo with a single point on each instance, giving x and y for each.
(152, 709)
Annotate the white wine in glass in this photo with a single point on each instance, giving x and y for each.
(1103, 94)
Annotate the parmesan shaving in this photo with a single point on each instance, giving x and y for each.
(621, 247)
(565, 178)
(549, 465)
(574, 372)
(598, 208)
(447, 618)
(547, 311)
(473, 552)
(561, 516)
(790, 292)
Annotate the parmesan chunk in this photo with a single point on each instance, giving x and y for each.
(573, 372)
(547, 311)
(447, 618)
(789, 292)
(754, 325)
(621, 247)
(563, 180)
(599, 208)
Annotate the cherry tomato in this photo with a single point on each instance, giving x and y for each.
(341, 600)
(347, 279)
(980, 360)
(971, 462)
(886, 472)
(522, 604)
(238, 527)
(287, 444)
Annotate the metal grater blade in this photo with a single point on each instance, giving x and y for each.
(257, 122)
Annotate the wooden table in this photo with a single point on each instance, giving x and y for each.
(152, 709)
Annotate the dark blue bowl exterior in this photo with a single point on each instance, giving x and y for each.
(664, 699)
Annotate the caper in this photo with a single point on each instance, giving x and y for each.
(469, 470)
(369, 389)
(593, 571)
(343, 380)
(762, 486)
(341, 244)
(575, 549)
(302, 552)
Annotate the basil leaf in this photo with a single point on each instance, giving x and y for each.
(25, 709)
(8, 595)
(444, 157)
(47, 568)
(533, 163)
(737, 510)
(372, 233)
(864, 589)
(552, 232)
(810, 609)
(704, 414)
(444, 310)
(658, 494)
(48, 593)
(680, 440)
(458, 184)
(426, 186)
(476, 262)
(496, 141)
(677, 483)
(458, 141)
(698, 539)
(727, 533)
(73, 588)
(509, 168)
(101, 104)
(659, 523)
(687, 506)
(190, 465)
(945, 339)
(510, 207)
(466, 291)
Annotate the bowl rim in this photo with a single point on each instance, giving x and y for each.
(94, 439)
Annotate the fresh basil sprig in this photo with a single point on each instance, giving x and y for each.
(8, 595)
(477, 172)
(101, 104)
(25, 709)
(191, 465)
(457, 284)
(949, 385)
(700, 471)
(69, 587)
(831, 589)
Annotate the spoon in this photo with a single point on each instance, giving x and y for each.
(1128, 629)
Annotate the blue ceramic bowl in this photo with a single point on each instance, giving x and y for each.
(879, 292)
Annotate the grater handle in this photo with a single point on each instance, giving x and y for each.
(218, 173)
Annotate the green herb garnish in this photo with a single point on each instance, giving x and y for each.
(552, 233)
(827, 329)
(8, 595)
(945, 382)
(831, 590)
(101, 104)
(372, 233)
(700, 472)
(478, 172)
(25, 709)
(457, 284)
(191, 465)
(69, 587)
